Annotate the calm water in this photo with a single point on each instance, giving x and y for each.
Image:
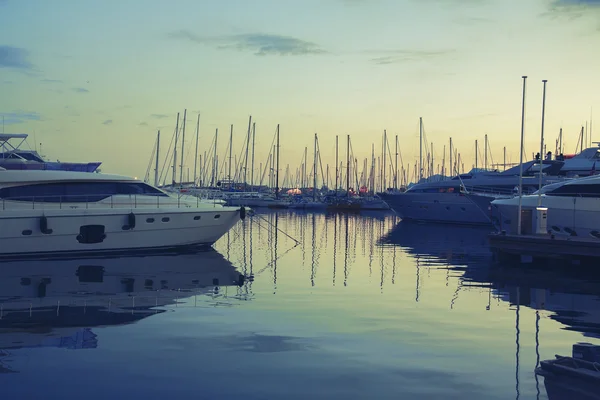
(342, 306)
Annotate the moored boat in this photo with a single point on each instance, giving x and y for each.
(48, 213)
(577, 376)
(12, 156)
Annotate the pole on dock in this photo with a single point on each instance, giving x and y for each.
(542, 143)
(519, 219)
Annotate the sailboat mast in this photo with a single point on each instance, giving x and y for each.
(230, 153)
(215, 161)
(156, 161)
(519, 219)
(337, 173)
(372, 177)
(182, 146)
(315, 172)
(451, 165)
(542, 143)
(560, 145)
(486, 151)
(246, 158)
(196, 152)
(175, 151)
(384, 183)
(396, 167)
(304, 174)
(420, 174)
(348, 167)
(277, 170)
(252, 172)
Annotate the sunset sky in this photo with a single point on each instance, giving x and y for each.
(95, 80)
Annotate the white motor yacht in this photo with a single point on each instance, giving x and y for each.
(47, 213)
(573, 209)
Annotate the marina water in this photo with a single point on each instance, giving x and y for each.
(293, 305)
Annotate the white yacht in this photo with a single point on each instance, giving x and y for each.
(47, 213)
(573, 209)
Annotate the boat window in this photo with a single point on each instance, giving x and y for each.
(76, 191)
(576, 191)
(30, 156)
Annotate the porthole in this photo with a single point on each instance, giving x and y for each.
(197, 218)
(217, 216)
(149, 220)
(26, 232)
(165, 219)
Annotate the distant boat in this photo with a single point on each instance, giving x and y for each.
(14, 157)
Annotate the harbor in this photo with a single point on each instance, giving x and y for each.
(337, 200)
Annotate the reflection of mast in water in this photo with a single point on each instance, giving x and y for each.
(537, 351)
(275, 251)
(335, 221)
(314, 244)
(346, 251)
(380, 226)
(371, 246)
(418, 275)
(394, 265)
(518, 332)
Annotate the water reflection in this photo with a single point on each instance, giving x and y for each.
(351, 303)
(58, 303)
(355, 248)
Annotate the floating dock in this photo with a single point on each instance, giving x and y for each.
(544, 248)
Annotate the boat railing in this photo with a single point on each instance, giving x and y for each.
(99, 201)
(486, 190)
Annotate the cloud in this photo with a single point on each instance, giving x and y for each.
(573, 10)
(159, 116)
(15, 57)
(19, 117)
(51, 81)
(576, 3)
(107, 122)
(80, 90)
(259, 43)
(403, 56)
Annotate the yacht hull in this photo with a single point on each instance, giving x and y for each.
(568, 216)
(50, 233)
(451, 208)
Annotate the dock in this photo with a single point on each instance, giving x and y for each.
(544, 248)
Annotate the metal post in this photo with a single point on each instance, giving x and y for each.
(521, 156)
(542, 143)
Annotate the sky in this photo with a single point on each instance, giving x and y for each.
(95, 81)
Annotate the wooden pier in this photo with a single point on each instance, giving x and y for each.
(544, 249)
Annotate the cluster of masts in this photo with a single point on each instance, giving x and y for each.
(386, 171)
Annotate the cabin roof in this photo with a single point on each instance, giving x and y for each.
(7, 136)
(46, 176)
